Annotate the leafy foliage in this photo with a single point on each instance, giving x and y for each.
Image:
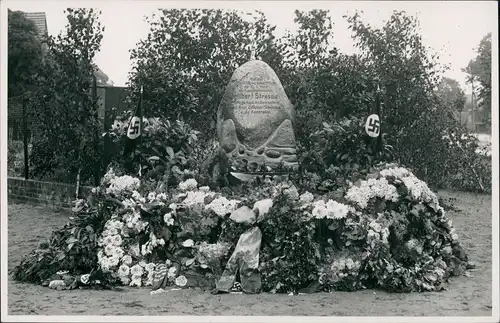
(187, 58)
(451, 94)
(66, 85)
(479, 69)
(386, 231)
(289, 254)
(164, 153)
(72, 247)
(184, 72)
(25, 53)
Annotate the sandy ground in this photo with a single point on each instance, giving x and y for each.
(464, 297)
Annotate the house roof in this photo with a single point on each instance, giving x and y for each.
(40, 20)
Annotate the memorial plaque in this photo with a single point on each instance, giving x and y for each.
(255, 118)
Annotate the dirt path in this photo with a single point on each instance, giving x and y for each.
(464, 297)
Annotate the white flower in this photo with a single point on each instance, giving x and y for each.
(141, 226)
(168, 219)
(125, 280)
(127, 260)
(222, 206)
(417, 188)
(171, 272)
(372, 235)
(136, 270)
(292, 192)
(136, 195)
(161, 196)
(173, 206)
(161, 242)
(349, 264)
(150, 267)
(188, 243)
(188, 185)
(114, 261)
(371, 188)
(108, 240)
(196, 197)
(149, 281)
(337, 210)
(332, 209)
(146, 249)
(117, 240)
(375, 226)
(181, 281)
(136, 281)
(134, 250)
(306, 198)
(118, 185)
(109, 250)
(319, 210)
(124, 270)
(118, 252)
(204, 189)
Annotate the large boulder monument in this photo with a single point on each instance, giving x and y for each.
(255, 119)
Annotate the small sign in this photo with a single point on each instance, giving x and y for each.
(134, 130)
(372, 126)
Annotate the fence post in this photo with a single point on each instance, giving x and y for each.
(25, 139)
(97, 154)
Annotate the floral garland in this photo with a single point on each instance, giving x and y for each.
(386, 231)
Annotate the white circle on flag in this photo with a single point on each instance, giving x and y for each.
(372, 126)
(134, 128)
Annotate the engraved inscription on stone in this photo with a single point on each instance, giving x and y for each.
(255, 120)
(255, 99)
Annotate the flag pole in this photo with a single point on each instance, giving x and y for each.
(141, 123)
(378, 141)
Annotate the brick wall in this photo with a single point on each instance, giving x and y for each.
(50, 194)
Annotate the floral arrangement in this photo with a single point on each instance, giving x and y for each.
(387, 230)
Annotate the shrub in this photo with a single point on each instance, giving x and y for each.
(164, 151)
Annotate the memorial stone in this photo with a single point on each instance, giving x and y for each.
(255, 119)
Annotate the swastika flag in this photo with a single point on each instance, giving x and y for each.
(134, 130)
(372, 126)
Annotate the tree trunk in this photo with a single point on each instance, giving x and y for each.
(77, 193)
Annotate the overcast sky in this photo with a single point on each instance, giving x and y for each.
(453, 29)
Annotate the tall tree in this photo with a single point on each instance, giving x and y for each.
(189, 56)
(24, 61)
(479, 75)
(71, 123)
(101, 77)
(452, 94)
(24, 53)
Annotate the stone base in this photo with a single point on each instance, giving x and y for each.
(278, 150)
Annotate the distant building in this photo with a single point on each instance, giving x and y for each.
(477, 122)
(40, 20)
